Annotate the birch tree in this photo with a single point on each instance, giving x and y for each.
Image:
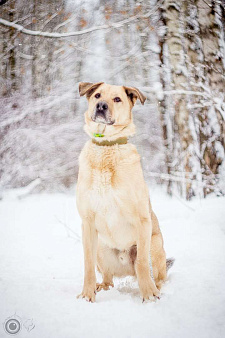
(197, 141)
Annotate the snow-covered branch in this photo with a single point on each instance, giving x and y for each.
(118, 24)
(175, 178)
(174, 92)
(34, 110)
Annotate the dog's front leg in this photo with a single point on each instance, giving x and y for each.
(146, 284)
(90, 238)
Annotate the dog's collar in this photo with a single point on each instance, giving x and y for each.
(120, 140)
(98, 135)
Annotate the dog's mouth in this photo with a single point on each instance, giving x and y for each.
(102, 117)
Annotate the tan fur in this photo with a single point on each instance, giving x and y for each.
(113, 200)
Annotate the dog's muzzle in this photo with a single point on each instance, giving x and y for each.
(101, 114)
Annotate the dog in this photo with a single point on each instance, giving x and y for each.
(120, 232)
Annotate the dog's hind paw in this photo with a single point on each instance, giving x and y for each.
(103, 286)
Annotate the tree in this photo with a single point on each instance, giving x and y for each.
(173, 51)
(192, 122)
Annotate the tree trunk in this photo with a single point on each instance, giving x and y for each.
(212, 124)
(194, 44)
(182, 139)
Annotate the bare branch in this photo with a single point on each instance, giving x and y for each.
(68, 229)
(64, 23)
(25, 56)
(50, 19)
(22, 19)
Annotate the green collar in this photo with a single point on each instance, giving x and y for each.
(98, 135)
(120, 140)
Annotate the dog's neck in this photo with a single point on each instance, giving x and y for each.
(120, 140)
(101, 132)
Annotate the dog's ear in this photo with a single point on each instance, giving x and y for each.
(134, 94)
(87, 88)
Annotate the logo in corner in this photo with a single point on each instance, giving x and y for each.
(29, 324)
(14, 324)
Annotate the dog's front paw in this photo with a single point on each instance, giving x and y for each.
(88, 294)
(149, 292)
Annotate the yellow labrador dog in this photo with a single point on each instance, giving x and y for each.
(120, 231)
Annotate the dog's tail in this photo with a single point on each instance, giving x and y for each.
(169, 263)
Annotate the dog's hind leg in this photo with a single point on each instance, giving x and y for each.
(158, 254)
(104, 256)
(158, 257)
(106, 283)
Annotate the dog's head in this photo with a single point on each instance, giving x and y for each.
(109, 109)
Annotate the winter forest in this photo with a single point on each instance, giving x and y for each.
(173, 51)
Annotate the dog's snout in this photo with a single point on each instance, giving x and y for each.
(102, 106)
(102, 113)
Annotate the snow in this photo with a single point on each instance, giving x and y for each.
(42, 272)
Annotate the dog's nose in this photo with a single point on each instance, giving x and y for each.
(102, 106)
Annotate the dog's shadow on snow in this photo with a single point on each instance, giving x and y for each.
(119, 293)
(127, 286)
(129, 290)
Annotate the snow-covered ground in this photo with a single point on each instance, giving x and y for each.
(42, 272)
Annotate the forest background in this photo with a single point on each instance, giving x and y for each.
(173, 51)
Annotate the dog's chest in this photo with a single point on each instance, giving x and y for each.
(106, 198)
(113, 225)
(102, 194)
(103, 163)
(106, 191)
(102, 180)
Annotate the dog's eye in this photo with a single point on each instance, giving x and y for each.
(97, 96)
(117, 99)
